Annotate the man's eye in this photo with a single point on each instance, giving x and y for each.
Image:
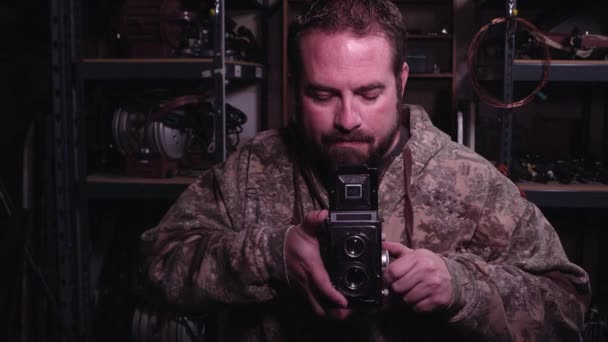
(321, 97)
(370, 96)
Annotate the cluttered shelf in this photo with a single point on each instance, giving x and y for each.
(575, 195)
(164, 68)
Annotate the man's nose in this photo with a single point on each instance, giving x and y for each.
(347, 116)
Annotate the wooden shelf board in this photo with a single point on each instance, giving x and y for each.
(111, 186)
(558, 187)
(429, 36)
(431, 75)
(119, 179)
(561, 70)
(576, 195)
(165, 68)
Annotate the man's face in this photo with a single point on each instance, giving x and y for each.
(348, 96)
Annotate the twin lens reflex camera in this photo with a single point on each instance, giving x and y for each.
(352, 249)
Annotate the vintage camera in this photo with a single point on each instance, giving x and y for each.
(352, 251)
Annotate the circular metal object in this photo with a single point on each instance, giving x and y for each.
(132, 133)
(384, 258)
(355, 277)
(169, 142)
(125, 132)
(355, 245)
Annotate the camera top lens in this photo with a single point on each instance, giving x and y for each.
(354, 245)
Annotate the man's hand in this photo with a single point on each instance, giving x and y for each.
(305, 268)
(419, 277)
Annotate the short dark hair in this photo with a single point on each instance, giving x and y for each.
(361, 17)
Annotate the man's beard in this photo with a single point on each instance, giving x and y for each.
(345, 156)
(329, 156)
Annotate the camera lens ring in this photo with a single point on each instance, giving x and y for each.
(355, 277)
(355, 245)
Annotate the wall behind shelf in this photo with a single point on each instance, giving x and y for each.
(554, 127)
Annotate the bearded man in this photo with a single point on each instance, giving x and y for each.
(471, 259)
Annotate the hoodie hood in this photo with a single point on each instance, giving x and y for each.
(425, 140)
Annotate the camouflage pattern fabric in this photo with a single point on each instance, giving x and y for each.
(219, 249)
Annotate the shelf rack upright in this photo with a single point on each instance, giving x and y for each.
(506, 116)
(64, 233)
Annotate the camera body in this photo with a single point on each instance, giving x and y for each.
(353, 252)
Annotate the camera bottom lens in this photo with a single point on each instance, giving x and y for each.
(355, 277)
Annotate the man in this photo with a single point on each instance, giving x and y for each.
(471, 259)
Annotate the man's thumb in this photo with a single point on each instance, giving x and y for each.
(395, 249)
(313, 220)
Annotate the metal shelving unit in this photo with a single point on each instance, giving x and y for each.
(566, 195)
(65, 236)
(547, 195)
(217, 71)
(576, 197)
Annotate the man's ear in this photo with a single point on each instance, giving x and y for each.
(405, 72)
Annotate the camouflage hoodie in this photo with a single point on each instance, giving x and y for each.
(219, 249)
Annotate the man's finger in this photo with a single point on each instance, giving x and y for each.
(395, 249)
(316, 306)
(326, 290)
(425, 305)
(313, 220)
(339, 313)
(398, 269)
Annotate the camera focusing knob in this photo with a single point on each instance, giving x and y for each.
(384, 258)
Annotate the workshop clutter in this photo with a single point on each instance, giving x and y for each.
(174, 28)
(533, 168)
(159, 133)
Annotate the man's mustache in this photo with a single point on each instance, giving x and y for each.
(351, 137)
